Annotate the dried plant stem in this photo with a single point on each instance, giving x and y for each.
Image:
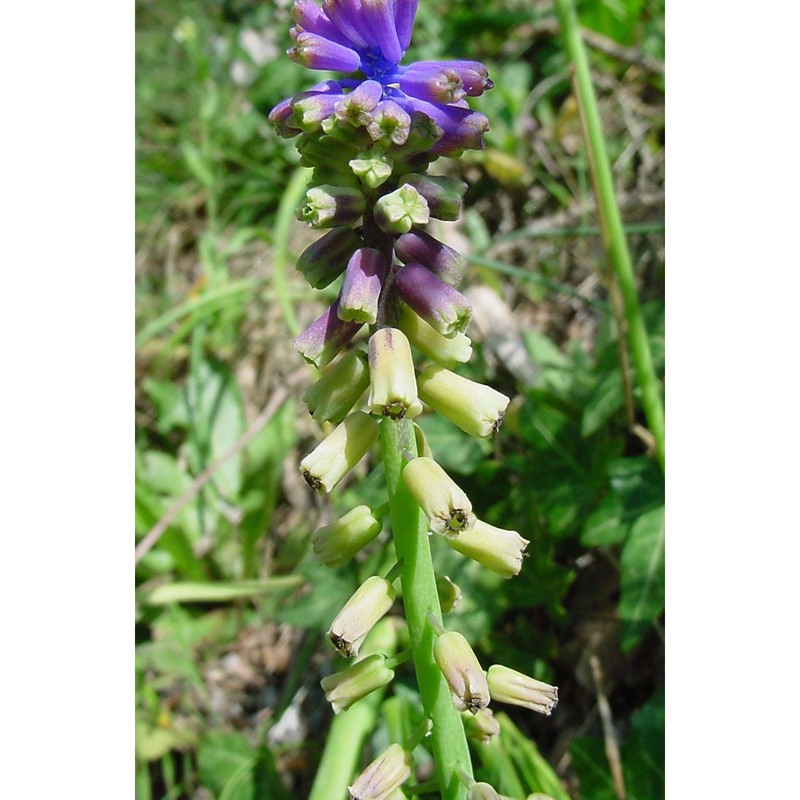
(410, 532)
(614, 240)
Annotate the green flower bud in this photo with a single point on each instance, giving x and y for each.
(373, 168)
(328, 206)
(370, 602)
(446, 351)
(481, 727)
(443, 195)
(495, 548)
(325, 260)
(347, 687)
(448, 592)
(389, 771)
(462, 671)
(482, 791)
(339, 452)
(337, 543)
(397, 211)
(392, 384)
(447, 508)
(509, 686)
(476, 409)
(333, 396)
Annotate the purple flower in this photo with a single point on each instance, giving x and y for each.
(367, 39)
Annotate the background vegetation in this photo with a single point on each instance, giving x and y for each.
(231, 607)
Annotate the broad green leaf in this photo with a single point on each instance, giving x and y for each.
(226, 761)
(168, 400)
(155, 741)
(217, 592)
(197, 163)
(161, 472)
(605, 400)
(605, 526)
(642, 580)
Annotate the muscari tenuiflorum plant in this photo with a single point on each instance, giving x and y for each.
(370, 139)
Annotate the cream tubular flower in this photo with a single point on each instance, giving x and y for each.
(476, 409)
(337, 454)
(337, 543)
(447, 508)
(509, 686)
(445, 351)
(497, 549)
(389, 771)
(347, 687)
(462, 671)
(370, 602)
(392, 383)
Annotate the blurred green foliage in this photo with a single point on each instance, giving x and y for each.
(566, 470)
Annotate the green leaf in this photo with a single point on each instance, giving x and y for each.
(455, 451)
(605, 400)
(328, 592)
(198, 165)
(604, 526)
(168, 400)
(226, 761)
(217, 592)
(642, 580)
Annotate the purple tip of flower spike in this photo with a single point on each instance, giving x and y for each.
(440, 305)
(363, 278)
(310, 17)
(404, 13)
(379, 15)
(316, 52)
(346, 15)
(321, 341)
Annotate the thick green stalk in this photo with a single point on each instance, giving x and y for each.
(410, 532)
(349, 730)
(611, 224)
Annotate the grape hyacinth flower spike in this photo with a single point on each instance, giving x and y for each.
(389, 346)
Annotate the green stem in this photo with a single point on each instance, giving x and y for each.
(613, 233)
(410, 532)
(349, 730)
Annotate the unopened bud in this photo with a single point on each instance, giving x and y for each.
(322, 340)
(509, 686)
(363, 278)
(317, 52)
(440, 305)
(444, 350)
(420, 247)
(325, 260)
(392, 383)
(474, 407)
(482, 727)
(355, 107)
(497, 549)
(397, 211)
(482, 791)
(445, 505)
(333, 396)
(462, 671)
(389, 771)
(448, 592)
(339, 452)
(337, 543)
(328, 206)
(390, 124)
(443, 195)
(309, 109)
(370, 602)
(347, 687)
(372, 167)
